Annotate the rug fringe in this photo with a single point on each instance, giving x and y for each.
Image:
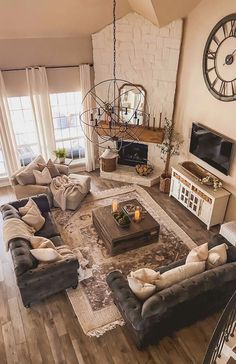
(102, 330)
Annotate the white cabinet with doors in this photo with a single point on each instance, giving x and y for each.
(205, 203)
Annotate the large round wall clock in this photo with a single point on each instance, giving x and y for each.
(219, 59)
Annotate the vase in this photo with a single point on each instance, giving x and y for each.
(62, 160)
(165, 183)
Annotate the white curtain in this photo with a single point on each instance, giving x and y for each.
(86, 84)
(7, 136)
(38, 90)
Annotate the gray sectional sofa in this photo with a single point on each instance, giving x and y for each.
(35, 281)
(177, 306)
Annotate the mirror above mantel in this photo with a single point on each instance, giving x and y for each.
(132, 104)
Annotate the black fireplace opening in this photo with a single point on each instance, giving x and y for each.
(131, 154)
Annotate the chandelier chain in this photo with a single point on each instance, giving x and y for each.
(114, 39)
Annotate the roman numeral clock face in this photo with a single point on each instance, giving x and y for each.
(219, 60)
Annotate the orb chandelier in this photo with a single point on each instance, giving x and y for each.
(109, 116)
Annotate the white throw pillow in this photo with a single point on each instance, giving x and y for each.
(140, 289)
(42, 178)
(179, 274)
(23, 210)
(146, 275)
(39, 242)
(198, 254)
(217, 256)
(47, 255)
(34, 218)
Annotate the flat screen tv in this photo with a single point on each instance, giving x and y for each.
(211, 147)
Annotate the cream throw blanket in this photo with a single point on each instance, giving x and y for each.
(16, 228)
(63, 186)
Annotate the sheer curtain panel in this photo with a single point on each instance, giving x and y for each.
(85, 81)
(38, 90)
(7, 135)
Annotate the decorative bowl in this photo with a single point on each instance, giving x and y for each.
(122, 219)
(144, 169)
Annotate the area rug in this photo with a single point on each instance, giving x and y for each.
(92, 300)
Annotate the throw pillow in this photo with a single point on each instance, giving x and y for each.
(34, 218)
(47, 255)
(26, 176)
(198, 254)
(179, 274)
(146, 275)
(217, 256)
(140, 289)
(39, 242)
(231, 254)
(42, 178)
(23, 210)
(54, 172)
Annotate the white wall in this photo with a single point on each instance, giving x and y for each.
(194, 102)
(146, 55)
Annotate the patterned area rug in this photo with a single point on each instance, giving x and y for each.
(92, 301)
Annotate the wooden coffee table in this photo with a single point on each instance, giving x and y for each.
(118, 239)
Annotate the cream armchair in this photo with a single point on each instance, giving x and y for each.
(27, 190)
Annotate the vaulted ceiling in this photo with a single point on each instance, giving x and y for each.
(72, 18)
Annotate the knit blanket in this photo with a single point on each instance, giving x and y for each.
(16, 228)
(63, 186)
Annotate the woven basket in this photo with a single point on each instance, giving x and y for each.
(108, 164)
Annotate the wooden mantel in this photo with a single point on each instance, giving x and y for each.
(140, 133)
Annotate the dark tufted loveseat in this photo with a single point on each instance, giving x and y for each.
(38, 282)
(177, 306)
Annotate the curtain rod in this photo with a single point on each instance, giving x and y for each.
(47, 67)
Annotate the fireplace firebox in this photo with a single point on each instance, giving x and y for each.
(131, 154)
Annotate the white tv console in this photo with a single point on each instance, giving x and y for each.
(205, 203)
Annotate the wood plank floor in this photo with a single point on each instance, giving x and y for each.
(50, 333)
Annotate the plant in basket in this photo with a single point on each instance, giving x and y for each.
(169, 147)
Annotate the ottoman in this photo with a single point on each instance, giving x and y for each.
(75, 198)
(228, 231)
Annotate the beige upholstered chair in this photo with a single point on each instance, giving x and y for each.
(27, 190)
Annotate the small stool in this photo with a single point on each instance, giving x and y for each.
(228, 231)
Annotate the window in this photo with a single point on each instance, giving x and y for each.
(24, 128)
(67, 130)
(3, 170)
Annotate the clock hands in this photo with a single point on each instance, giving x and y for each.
(229, 58)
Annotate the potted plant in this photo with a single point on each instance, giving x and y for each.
(60, 153)
(169, 147)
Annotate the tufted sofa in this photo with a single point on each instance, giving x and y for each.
(35, 281)
(177, 306)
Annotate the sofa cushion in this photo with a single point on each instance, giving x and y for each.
(141, 289)
(49, 228)
(22, 259)
(198, 254)
(46, 255)
(217, 256)
(34, 218)
(54, 172)
(231, 254)
(39, 242)
(42, 178)
(179, 274)
(24, 209)
(26, 177)
(9, 212)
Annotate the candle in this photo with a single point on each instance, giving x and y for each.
(137, 214)
(114, 206)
